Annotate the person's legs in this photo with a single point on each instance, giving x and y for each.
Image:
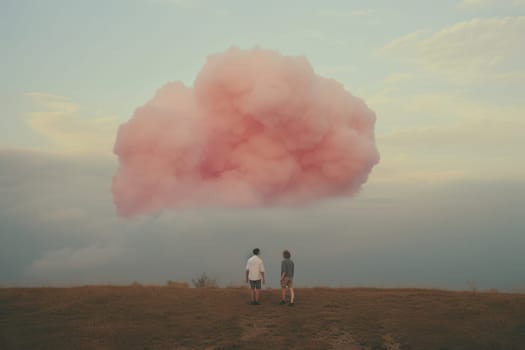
(283, 290)
(257, 291)
(252, 291)
(292, 293)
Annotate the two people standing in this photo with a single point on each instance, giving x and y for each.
(255, 276)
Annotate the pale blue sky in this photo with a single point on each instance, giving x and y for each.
(446, 80)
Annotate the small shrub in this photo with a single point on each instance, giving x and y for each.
(204, 281)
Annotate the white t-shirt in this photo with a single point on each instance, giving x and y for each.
(254, 266)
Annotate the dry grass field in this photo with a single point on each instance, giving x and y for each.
(151, 317)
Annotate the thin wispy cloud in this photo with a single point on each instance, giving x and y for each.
(58, 119)
(196, 5)
(187, 4)
(441, 137)
(317, 35)
(404, 42)
(481, 49)
(483, 4)
(470, 151)
(396, 78)
(63, 215)
(336, 69)
(74, 259)
(345, 14)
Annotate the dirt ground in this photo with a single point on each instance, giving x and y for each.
(155, 317)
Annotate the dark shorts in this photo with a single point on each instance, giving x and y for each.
(255, 284)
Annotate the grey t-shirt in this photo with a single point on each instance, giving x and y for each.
(287, 267)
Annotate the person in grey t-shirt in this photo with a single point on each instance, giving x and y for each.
(287, 271)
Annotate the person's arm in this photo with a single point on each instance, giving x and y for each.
(283, 271)
(262, 272)
(247, 276)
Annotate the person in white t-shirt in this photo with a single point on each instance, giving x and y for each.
(255, 275)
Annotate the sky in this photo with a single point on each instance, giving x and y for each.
(444, 208)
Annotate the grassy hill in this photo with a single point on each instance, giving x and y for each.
(134, 317)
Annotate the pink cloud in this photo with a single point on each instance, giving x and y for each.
(257, 129)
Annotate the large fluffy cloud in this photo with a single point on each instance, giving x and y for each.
(257, 129)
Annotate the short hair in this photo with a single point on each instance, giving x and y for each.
(286, 254)
(256, 251)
